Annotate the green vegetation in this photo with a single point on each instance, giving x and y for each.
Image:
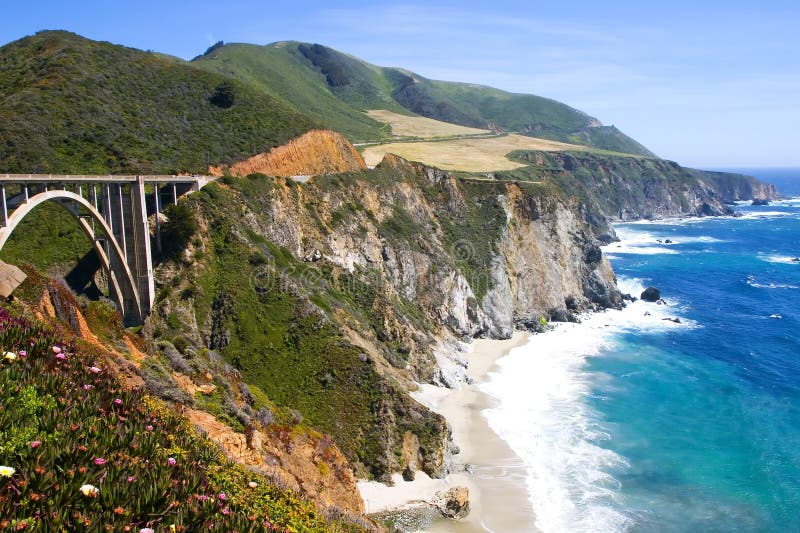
(269, 318)
(72, 105)
(337, 88)
(48, 237)
(473, 233)
(523, 113)
(79, 452)
(181, 225)
(283, 71)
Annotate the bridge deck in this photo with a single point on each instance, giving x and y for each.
(75, 178)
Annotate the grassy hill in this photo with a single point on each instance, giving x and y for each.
(284, 71)
(74, 105)
(336, 88)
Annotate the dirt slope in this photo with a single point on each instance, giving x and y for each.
(313, 153)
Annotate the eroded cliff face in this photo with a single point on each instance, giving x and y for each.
(313, 153)
(336, 296)
(616, 188)
(737, 187)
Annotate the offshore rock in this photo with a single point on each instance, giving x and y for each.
(651, 294)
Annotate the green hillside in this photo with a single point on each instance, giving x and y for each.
(73, 105)
(336, 88)
(283, 70)
(81, 451)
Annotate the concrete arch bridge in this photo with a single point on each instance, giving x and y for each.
(112, 211)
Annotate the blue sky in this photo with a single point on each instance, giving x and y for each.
(708, 84)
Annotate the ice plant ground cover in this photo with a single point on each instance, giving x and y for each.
(81, 453)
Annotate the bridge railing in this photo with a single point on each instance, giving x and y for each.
(111, 178)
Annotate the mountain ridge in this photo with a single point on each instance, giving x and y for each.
(73, 105)
(362, 86)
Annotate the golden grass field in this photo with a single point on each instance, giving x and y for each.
(405, 126)
(469, 154)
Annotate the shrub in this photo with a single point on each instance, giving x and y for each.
(179, 228)
(224, 95)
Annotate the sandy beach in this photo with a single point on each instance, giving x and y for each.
(485, 464)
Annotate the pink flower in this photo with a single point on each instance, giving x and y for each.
(94, 370)
(36, 443)
(225, 510)
(22, 353)
(117, 401)
(202, 497)
(100, 461)
(87, 387)
(60, 356)
(172, 461)
(131, 479)
(147, 530)
(148, 427)
(56, 350)
(222, 496)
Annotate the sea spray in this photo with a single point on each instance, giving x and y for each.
(675, 417)
(542, 411)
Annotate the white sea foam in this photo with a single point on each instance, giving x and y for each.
(640, 242)
(786, 259)
(676, 221)
(788, 202)
(542, 412)
(749, 215)
(753, 282)
(620, 248)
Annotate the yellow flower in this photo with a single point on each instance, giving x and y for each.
(10, 356)
(89, 490)
(172, 528)
(7, 471)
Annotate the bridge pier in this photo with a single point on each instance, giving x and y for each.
(139, 244)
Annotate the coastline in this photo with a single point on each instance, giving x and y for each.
(485, 464)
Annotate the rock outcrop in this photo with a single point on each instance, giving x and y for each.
(454, 503)
(620, 188)
(651, 294)
(308, 464)
(313, 153)
(10, 278)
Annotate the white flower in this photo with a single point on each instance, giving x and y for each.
(252, 484)
(10, 356)
(7, 471)
(89, 490)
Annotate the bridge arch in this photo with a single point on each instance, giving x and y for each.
(122, 284)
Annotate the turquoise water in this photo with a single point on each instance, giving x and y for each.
(643, 424)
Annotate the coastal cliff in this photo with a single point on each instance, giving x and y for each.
(334, 297)
(620, 188)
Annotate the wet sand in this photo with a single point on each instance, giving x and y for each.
(486, 465)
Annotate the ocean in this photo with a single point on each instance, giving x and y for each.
(676, 417)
